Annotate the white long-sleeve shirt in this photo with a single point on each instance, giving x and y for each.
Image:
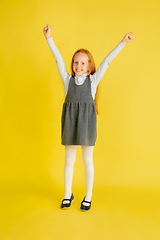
(95, 78)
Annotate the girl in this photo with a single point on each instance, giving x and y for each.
(79, 116)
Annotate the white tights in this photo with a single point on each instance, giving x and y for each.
(70, 156)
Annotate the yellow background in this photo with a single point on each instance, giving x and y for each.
(126, 190)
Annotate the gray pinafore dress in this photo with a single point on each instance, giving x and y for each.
(79, 117)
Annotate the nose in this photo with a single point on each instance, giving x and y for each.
(78, 64)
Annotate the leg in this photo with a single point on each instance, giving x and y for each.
(70, 156)
(87, 152)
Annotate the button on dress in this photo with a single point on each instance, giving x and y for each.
(79, 117)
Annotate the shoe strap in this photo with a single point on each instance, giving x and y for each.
(66, 200)
(86, 201)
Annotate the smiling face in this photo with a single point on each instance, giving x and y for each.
(80, 63)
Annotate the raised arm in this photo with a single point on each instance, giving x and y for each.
(58, 58)
(97, 76)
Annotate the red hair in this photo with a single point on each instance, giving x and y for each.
(92, 68)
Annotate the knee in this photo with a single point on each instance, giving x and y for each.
(88, 162)
(69, 161)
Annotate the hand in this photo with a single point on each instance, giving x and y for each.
(47, 31)
(127, 38)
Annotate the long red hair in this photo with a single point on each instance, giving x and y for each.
(92, 69)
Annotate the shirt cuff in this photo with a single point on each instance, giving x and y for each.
(49, 39)
(122, 44)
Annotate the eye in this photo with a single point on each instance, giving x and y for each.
(75, 62)
(83, 63)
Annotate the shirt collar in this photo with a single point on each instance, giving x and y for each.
(81, 77)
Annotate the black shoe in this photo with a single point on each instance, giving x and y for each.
(67, 205)
(83, 207)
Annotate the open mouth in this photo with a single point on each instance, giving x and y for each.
(77, 70)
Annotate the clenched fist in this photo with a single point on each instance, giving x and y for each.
(127, 38)
(47, 31)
